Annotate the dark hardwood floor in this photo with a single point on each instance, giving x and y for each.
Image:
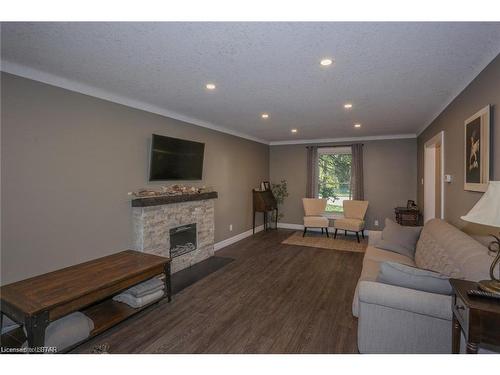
(272, 298)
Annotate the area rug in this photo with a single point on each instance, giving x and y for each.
(341, 243)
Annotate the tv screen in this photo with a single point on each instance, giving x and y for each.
(175, 159)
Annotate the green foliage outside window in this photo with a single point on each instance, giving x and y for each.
(334, 180)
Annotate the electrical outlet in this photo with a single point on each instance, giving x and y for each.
(230, 227)
(375, 223)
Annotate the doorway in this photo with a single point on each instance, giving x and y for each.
(433, 177)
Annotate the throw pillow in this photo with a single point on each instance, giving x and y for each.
(399, 239)
(413, 278)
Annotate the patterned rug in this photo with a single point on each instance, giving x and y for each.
(342, 243)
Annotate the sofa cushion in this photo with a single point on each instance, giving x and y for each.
(398, 238)
(445, 249)
(380, 255)
(413, 278)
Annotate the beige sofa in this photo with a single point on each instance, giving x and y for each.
(394, 319)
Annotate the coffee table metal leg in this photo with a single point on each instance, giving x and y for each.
(168, 281)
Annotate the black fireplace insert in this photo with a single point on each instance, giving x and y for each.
(182, 240)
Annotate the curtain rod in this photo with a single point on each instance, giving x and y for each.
(335, 145)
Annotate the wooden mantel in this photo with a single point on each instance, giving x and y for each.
(169, 199)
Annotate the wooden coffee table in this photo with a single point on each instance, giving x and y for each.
(87, 287)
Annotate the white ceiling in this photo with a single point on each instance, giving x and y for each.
(398, 76)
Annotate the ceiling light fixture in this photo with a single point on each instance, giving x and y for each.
(210, 86)
(265, 115)
(348, 105)
(326, 62)
(294, 130)
(357, 125)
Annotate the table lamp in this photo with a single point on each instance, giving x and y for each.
(487, 212)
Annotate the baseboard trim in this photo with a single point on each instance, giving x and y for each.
(290, 226)
(229, 241)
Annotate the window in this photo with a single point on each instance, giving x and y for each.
(334, 176)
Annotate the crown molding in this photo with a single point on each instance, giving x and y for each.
(347, 139)
(479, 68)
(68, 84)
(72, 85)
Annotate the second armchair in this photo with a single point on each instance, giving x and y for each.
(354, 218)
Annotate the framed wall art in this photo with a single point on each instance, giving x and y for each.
(477, 151)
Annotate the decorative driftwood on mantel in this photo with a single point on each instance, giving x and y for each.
(169, 199)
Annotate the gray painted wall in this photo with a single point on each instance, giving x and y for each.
(68, 161)
(390, 170)
(484, 90)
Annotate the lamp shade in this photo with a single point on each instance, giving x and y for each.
(487, 209)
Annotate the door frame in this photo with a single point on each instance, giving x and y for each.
(438, 139)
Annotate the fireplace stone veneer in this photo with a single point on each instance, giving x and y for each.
(152, 225)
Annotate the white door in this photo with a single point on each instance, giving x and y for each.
(434, 183)
(430, 184)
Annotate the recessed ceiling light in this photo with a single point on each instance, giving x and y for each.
(210, 86)
(265, 115)
(348, 105)
(326, 62)
(294, 130)
(357, 125)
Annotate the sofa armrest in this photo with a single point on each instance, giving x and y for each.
(415, 301)
(374, 236)
(394, 320)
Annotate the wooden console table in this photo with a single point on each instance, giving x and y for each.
(264, 201)
(87, 287)
(407, 216)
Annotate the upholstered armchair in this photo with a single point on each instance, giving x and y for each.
(314, 209)
(354, 218)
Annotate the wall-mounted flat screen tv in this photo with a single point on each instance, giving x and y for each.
(175, 159)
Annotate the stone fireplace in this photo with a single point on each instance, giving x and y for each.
(180, 227)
